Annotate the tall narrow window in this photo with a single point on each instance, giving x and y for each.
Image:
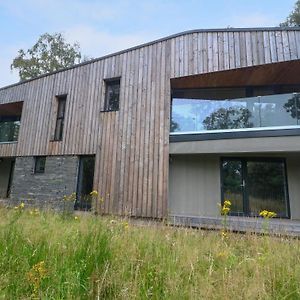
(59, 127)
(112, 94)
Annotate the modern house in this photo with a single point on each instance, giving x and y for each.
(170, 128)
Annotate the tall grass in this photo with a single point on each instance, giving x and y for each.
(100, 258)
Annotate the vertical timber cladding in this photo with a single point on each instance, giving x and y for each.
(132, 144)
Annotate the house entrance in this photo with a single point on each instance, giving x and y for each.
(253, 185)
(6, 175)
(85, 182)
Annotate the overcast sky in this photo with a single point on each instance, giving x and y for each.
(103, 27)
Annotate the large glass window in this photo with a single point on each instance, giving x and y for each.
(253, 185)
(204, 111)
(9, 129)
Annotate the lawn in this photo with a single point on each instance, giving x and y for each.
(46, 255)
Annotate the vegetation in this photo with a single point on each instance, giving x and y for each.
(294, 18)
(62, 256)
(50, 53)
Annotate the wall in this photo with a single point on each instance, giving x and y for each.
(132, 145)
(194, 185)
(5, 166)
(245, 145)
(45, 189)
(293, 167)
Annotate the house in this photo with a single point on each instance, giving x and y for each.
(170, 128)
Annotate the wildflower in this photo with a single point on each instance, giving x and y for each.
(22, 205)
(224, 234)
(225, 209)
(267, 214)
(94, 193)
(35, 276)
(76, 218)
(113, 222)
(126, 225)
(227, 203)
(16, 207)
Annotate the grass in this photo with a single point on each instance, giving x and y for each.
(55, 256)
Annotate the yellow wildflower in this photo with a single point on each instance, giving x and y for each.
(267, 214)
(22, 205)
(94, 193)
(76, 218)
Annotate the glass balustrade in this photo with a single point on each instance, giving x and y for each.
(253, 113)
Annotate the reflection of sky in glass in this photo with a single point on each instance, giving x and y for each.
(263, 111)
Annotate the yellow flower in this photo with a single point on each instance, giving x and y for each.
(94, 193)
(227, 203)
(126, 225)
(267, 214)
(76, 218)
(22, 205)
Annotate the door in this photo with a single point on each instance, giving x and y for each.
(85, 182)
(255, 184)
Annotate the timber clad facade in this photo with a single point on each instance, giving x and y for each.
(130, 146)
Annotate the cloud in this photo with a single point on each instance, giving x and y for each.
(254, 20)
(98, 43)
(7, 76)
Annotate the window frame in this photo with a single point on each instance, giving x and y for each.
(244, 161)
(36, 163)
(59, 121)
(109, 82)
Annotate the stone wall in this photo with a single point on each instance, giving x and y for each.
(45, 189)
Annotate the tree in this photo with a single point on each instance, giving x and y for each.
(49, 54)
(294, 18)
(229, 118)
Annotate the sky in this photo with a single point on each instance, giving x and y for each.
(103, 27)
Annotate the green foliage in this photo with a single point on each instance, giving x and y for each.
(90, 257)
(50, 53)
(294, 18)
(229, 118)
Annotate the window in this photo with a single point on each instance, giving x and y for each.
(10, 121)
(112, 94)
(234, 109)
(255, 184)
(61, 108)
(39, 164)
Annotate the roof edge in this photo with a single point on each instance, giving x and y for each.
(296, 28)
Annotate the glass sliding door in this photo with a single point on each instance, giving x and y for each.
(233, 184)
(253, 185)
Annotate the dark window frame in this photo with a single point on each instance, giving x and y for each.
(244, 161)
(109, 83)
(60, 117)
(37, 169)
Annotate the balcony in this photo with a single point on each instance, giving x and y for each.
(208, 113)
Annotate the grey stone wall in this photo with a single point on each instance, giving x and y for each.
(45, 189)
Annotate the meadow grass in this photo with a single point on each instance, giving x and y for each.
(58, 256)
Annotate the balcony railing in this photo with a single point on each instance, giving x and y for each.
(280, 111)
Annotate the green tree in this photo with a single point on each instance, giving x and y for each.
(50, 53)
(294, 18)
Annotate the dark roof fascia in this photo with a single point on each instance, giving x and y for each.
(297, 28)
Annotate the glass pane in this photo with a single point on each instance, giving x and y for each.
(9, 131)
(278, 110)
(202, 115)
(266, 187)
(233, 184)
(112, 95)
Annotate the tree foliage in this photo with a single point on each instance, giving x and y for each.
(294, 17)
(50, 53)
(229, 118)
